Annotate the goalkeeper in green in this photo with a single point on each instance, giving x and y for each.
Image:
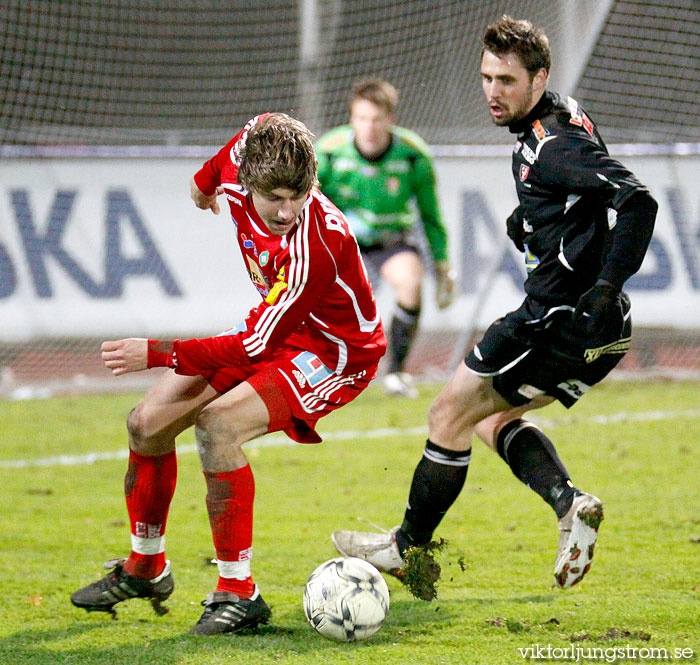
(381, 176)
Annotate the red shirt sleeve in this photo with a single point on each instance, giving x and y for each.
(192, 356)
(208, 178)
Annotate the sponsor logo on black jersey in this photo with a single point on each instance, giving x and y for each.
(540, 131)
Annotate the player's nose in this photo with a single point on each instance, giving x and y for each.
(286, 211)
(491, 90)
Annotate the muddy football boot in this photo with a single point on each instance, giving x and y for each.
(416, 566)
(379, 549)
(578, 532)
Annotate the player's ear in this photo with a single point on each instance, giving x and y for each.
(539, 80)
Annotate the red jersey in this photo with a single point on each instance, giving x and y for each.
(315, 290)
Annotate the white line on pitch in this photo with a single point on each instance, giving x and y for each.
(380, 433)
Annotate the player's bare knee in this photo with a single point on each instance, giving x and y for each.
(206, 425)
(218, 441)
(213, 427)
(443, 414)
(141, 434)
(434, 413)
(204, 431)
(136, 423)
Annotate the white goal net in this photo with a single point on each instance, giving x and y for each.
(108, 106)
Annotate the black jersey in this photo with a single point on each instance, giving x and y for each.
(584, 215)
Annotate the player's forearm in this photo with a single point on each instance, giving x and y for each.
(435, 232)
(436, 236)
(631, 237)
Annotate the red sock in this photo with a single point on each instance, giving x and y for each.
(149, 486)
(230, 504)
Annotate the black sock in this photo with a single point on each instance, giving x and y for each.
(437, 482)
(533, 459)
(402, 332)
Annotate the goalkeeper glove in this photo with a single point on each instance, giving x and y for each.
(445, 284)
(600, 314)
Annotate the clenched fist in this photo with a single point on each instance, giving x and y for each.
(125, 355)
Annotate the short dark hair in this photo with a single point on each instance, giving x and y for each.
(278, 152)
(378, 91)
(530, 44)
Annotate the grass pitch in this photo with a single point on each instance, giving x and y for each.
(635, 446)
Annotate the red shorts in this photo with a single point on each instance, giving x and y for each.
(297, 389)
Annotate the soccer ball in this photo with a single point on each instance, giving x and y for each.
(346, 599)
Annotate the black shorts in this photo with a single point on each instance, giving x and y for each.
(535, 350)
(376, 256)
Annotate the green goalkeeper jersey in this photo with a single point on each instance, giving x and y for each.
(383, 198)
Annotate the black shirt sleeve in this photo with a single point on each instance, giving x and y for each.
(577, 163)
